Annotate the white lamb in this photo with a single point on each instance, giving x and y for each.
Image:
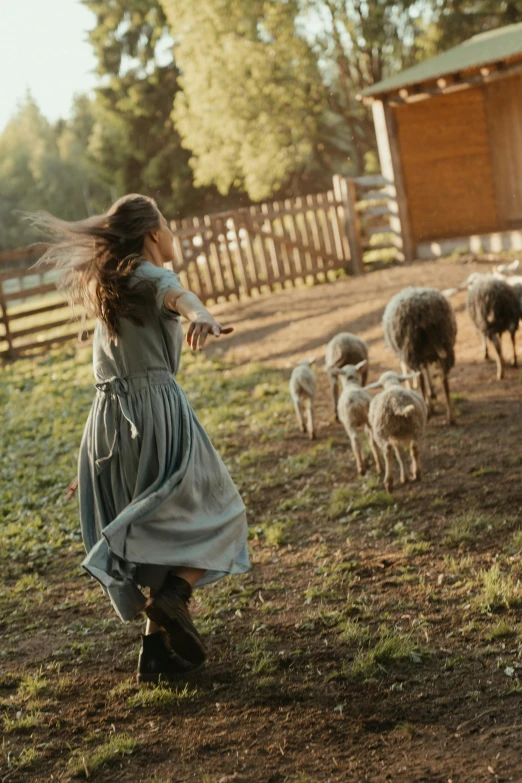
(352, 408)
(398, 419)
(302, 391)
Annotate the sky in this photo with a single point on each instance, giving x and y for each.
(44, 48)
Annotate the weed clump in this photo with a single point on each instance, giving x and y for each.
(84, 763)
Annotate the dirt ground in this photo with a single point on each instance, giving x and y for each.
(291, 691)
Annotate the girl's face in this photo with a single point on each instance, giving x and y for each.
(165, 240)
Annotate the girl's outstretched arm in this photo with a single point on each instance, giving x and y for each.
(202, 323)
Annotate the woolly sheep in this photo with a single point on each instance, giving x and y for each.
(494, 308)
(420, 328)
(507, 273)
(352, 408)
(398, 419)
(344, 348)
(302, 391)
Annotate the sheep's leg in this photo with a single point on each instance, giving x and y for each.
(424, 392)
(485, 346)
(358, 454)
(298, 413)
(375, 449)
(449, 406)
(497, 345)
(513, 340)
(415, 463)
(402, 469)
(405, 371)
(388, 467)
(431, 388)
(334, 391)
(309, 413)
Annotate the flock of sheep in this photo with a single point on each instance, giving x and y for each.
(420, 328)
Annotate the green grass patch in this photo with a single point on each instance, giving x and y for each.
(498, 590)
(84, 762)
(22, 721)
(161, 696)
(465, 528)
(384, 648)
(502, 630)
(347, 499)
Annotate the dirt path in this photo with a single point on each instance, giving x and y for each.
(375, 639)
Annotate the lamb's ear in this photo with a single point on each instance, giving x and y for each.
(449, 292)
(335, 371)
(375, 385)
(514, 265)
(312, 360)
(408, 377)
(361, 364)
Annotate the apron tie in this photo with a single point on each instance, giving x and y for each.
(116, 390)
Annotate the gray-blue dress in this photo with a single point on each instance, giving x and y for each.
(154, 494)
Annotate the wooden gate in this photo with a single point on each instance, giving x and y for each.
(264, 247)
(223, 256)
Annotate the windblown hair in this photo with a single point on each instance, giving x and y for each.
(96, 258)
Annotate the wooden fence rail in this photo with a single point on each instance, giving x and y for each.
(265, 247)
(223, 256)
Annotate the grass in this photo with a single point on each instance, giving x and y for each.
(498, 590)
(346, 500)
(84, 763)
(161, 696)
(381, 650)
(22, 722)
(259, 659)
(465, 528)
(501, 630)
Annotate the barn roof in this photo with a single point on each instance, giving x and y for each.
(481, 50)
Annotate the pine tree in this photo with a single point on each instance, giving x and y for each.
(133, 141)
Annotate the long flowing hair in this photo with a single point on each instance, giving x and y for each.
(96, 258)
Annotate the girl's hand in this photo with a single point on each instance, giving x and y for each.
(201, 327)
(71, 490)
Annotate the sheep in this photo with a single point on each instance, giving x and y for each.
(507, 273)
(420, 328)
(302, 391)
(506, 270)
(494, 308)
(344, 348)
(352, 408)
(398, 418)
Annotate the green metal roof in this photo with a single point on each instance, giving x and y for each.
(482, 49)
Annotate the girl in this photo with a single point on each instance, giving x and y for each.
(157, 505)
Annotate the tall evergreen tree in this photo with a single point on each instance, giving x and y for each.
(458, 20)
(133, 142)
(36, 173)
(252, 96)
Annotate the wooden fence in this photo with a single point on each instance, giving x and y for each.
(265, 247)
(224, 256)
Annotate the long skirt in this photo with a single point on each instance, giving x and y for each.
(154, 494)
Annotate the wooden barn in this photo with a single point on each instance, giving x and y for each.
(449, 133)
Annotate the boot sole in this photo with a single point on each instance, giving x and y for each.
(167, 676)
(183, 641)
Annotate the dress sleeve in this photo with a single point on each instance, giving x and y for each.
(163, 279)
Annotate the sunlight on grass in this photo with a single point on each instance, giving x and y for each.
(498, 590)
(84, 762)
(22, 722)
(384, 648)
(161, 696)
(346, 499)
(465, 528)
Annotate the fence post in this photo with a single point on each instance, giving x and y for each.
(345, 190)
(5, 320)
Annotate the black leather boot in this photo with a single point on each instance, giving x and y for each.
(168, 609)
(157, 664)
